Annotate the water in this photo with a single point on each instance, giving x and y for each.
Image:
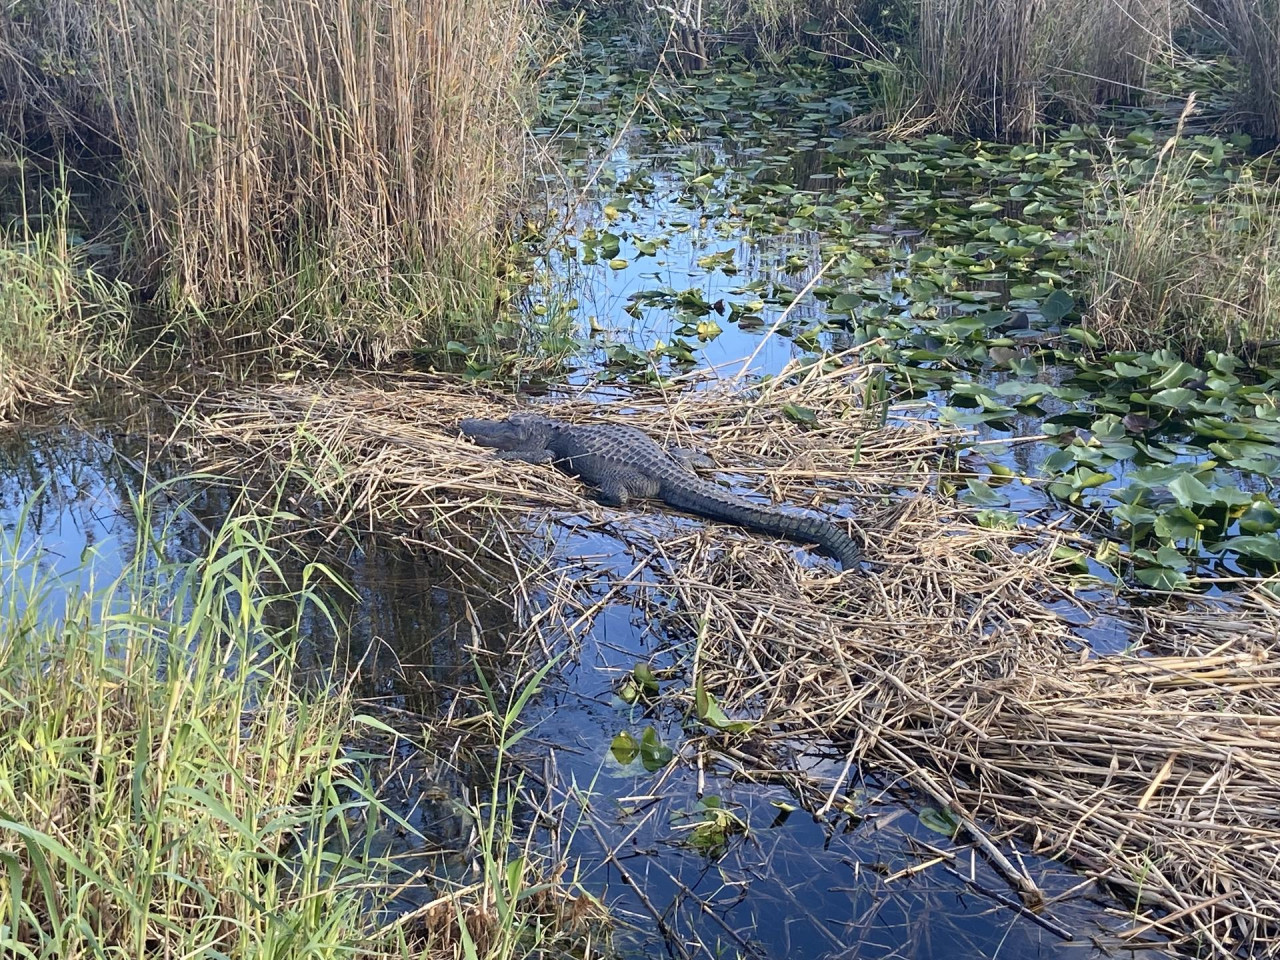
(779, 883)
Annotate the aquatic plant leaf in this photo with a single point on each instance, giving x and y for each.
(1180, 524)
(1266, 547)
(644, 676)
(653, 753)
(1261, 517)
(1134, 515)
(1162, 578)
(940, 821)
(1073, 557)
(980, 494)
(1171, 558)
(1138, 422)
(1177, 374)
(1174, 397)
(624, 748)
(1057, 305)
(1189, 491)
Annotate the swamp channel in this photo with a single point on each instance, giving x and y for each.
(730, 220)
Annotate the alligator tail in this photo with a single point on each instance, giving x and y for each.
(707, 500)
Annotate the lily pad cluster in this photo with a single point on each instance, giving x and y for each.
(704, 205)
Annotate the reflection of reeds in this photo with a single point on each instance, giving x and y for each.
(951, 666)
(1168, 267)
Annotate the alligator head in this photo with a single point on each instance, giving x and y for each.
(520, 431)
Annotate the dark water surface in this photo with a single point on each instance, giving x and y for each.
(850, 885)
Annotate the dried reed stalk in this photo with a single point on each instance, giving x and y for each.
(997, 67)
(344, 166)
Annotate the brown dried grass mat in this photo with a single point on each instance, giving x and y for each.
(958, 665)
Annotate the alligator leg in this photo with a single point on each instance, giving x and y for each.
(691, 459)
(528, 456)
(618, 491)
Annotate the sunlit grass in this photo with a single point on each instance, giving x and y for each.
(1169, 267)
(168, 788)
(59, 319)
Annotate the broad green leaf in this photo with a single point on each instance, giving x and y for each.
(653, 753)
(1266, 547)
(1189, 491)
(1162, 578)
(624, 748)
(1260, 517)
(1057, 305)
(1174, 397)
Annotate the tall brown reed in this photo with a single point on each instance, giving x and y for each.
(996, 67)
(329, 174)
(1252, 28)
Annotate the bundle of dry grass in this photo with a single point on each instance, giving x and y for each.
(1157, 771)
(956, 665)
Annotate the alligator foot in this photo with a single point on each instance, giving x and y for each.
(528, 456)
(691, 459)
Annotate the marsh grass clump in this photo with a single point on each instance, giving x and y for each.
(169, 785)
(60, 320)
(1170, 266)
(1252, 31)
(319, 178)
(165, 789)
(998, 68)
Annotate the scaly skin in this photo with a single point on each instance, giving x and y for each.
(624, 463)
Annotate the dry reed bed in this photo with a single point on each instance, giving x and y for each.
(1157, 771)
(345, 167)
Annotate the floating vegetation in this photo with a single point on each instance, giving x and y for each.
(985, 279)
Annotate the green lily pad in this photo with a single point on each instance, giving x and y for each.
(624, 748)
(1057, 305)
(654, 755)
(1181, 524)
(1174, 397)
(1265, 547)
(1162, 578)
(1261, 517)
(1189, 491)
(980, 494)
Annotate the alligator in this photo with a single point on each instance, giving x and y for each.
(623, 463)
